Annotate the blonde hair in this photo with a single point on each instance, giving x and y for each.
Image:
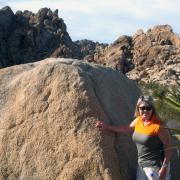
(147, 99)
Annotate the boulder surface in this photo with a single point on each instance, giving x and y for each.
(48, 112)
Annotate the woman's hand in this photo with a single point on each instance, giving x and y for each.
(162, 173)
(101, 125)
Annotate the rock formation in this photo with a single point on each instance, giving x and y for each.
(89, 48)
(48, 111)
(150, 56)
(111, 55)
(28, 37)
(156, 56)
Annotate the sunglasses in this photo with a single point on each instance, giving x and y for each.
(147, 108)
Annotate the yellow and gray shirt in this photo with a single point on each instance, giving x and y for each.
(149, 146)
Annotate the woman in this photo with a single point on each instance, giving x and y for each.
(151, 138)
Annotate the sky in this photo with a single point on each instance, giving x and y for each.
(106, 20)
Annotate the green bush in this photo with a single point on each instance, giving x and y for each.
(167, 99)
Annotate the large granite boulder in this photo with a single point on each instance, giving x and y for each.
(48, 112)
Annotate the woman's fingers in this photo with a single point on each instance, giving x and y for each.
(99, 123)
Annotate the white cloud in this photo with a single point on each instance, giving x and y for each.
(106, 20)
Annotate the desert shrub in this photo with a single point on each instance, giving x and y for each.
(167, 99)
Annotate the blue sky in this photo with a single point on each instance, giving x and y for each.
(106, 20)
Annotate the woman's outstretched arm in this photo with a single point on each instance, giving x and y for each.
(116, 128)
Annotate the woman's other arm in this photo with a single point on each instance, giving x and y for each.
(167, 143)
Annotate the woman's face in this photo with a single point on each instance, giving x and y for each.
(145, 110)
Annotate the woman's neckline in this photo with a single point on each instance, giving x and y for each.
(147, 122)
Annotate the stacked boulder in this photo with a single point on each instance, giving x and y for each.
(116, 55)
(89, 48)
(156, 55)
(28, 37)
(150, 56)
